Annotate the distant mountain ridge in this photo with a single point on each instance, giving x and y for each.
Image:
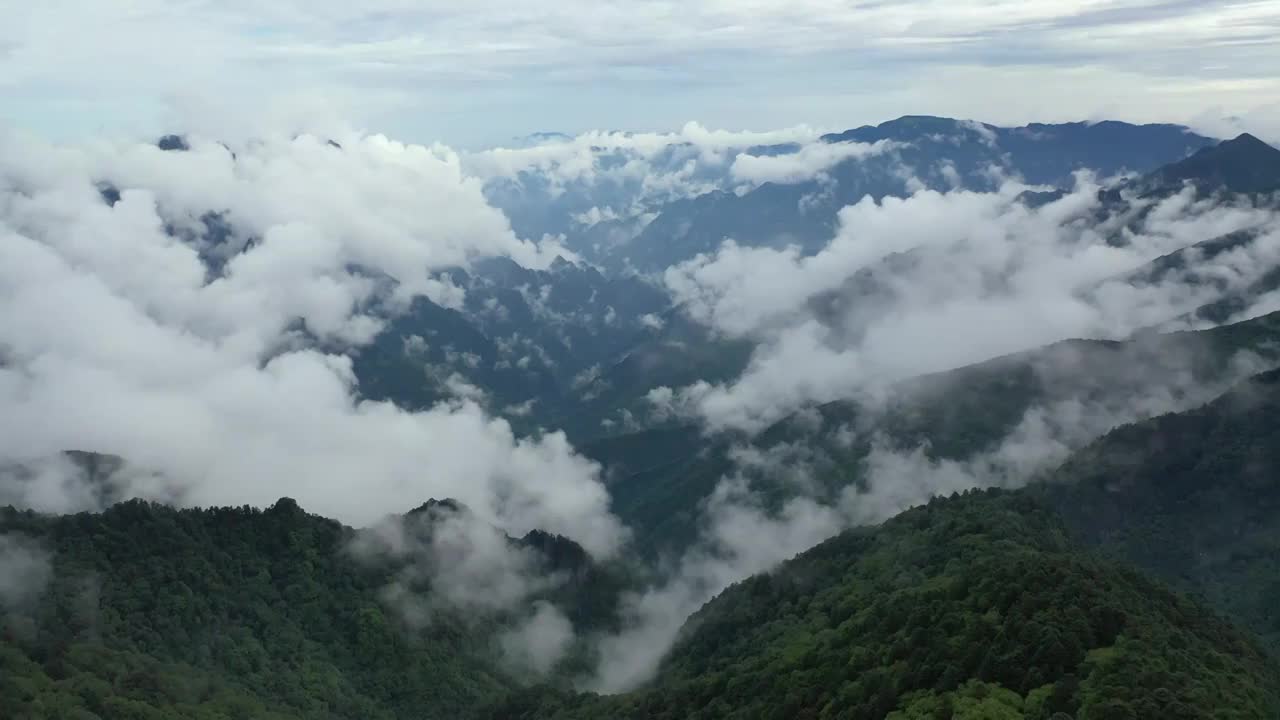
(1244, 165)
(940, 152)
(1233, 167)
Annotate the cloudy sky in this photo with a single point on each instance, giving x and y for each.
(482, 72)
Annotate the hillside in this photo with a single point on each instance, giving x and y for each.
(1243, 165)
(1191, 497)
(976, 606)
(658, 477)
(646, 446)
(152, 612)
(984, 605)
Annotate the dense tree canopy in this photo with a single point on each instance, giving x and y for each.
(970, 607)
(993, 604)
(235, 611)
(1193, 497)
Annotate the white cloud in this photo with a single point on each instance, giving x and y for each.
(476, 70)
(740, 537)
(620, 178)
(25, 570)
(579, 157)
(113, 340)
(469, 563)
(808, 162)
(450, 561)
(935, 281)
(651, 321)
(538, 643)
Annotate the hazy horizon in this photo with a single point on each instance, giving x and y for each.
(484, 74)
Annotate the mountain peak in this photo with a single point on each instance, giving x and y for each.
(905, 128)
(1243, 164)
(1244, 143)
(1247, 139)
(434, 506)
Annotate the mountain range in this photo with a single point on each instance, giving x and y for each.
(1005, 521)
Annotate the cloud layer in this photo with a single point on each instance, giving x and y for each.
(489, 70)
(939, 280)
(120, 337)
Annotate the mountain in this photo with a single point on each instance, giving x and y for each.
(1047, 154)
(976, 606)
(1228, 288)
(1106, 587)
(990, 604)
(1233, 294)
(1188, 260)
(1244, 165)
(1192, 497)
(430, 352)
(658, 478)
(522, 337)
(940, 153)
(152, 612)
(1244, 171)
(673, 351)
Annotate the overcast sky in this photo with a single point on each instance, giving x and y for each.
(481, 72)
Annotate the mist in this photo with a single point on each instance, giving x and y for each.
(743, 535)
(25, 571)
(195, 313)
(919, 285)
(935, 281)
(216, 384)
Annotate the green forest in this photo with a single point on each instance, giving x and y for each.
(975, 606)
(1139, 580)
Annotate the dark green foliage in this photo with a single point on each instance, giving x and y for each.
(657, 479)
(971, 607)
(222, 609)
(1193, 497)
(89, 681)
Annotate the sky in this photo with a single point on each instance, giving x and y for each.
(480, 73)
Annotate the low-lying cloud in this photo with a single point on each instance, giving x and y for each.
(809, 162)
(939, 280)
(25, 571)
(567, 186)
(744, 535)
(222, 381)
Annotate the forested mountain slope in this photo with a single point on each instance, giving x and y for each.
(152, 612)
(658, 477)
(977, 606)
(1193, 497)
